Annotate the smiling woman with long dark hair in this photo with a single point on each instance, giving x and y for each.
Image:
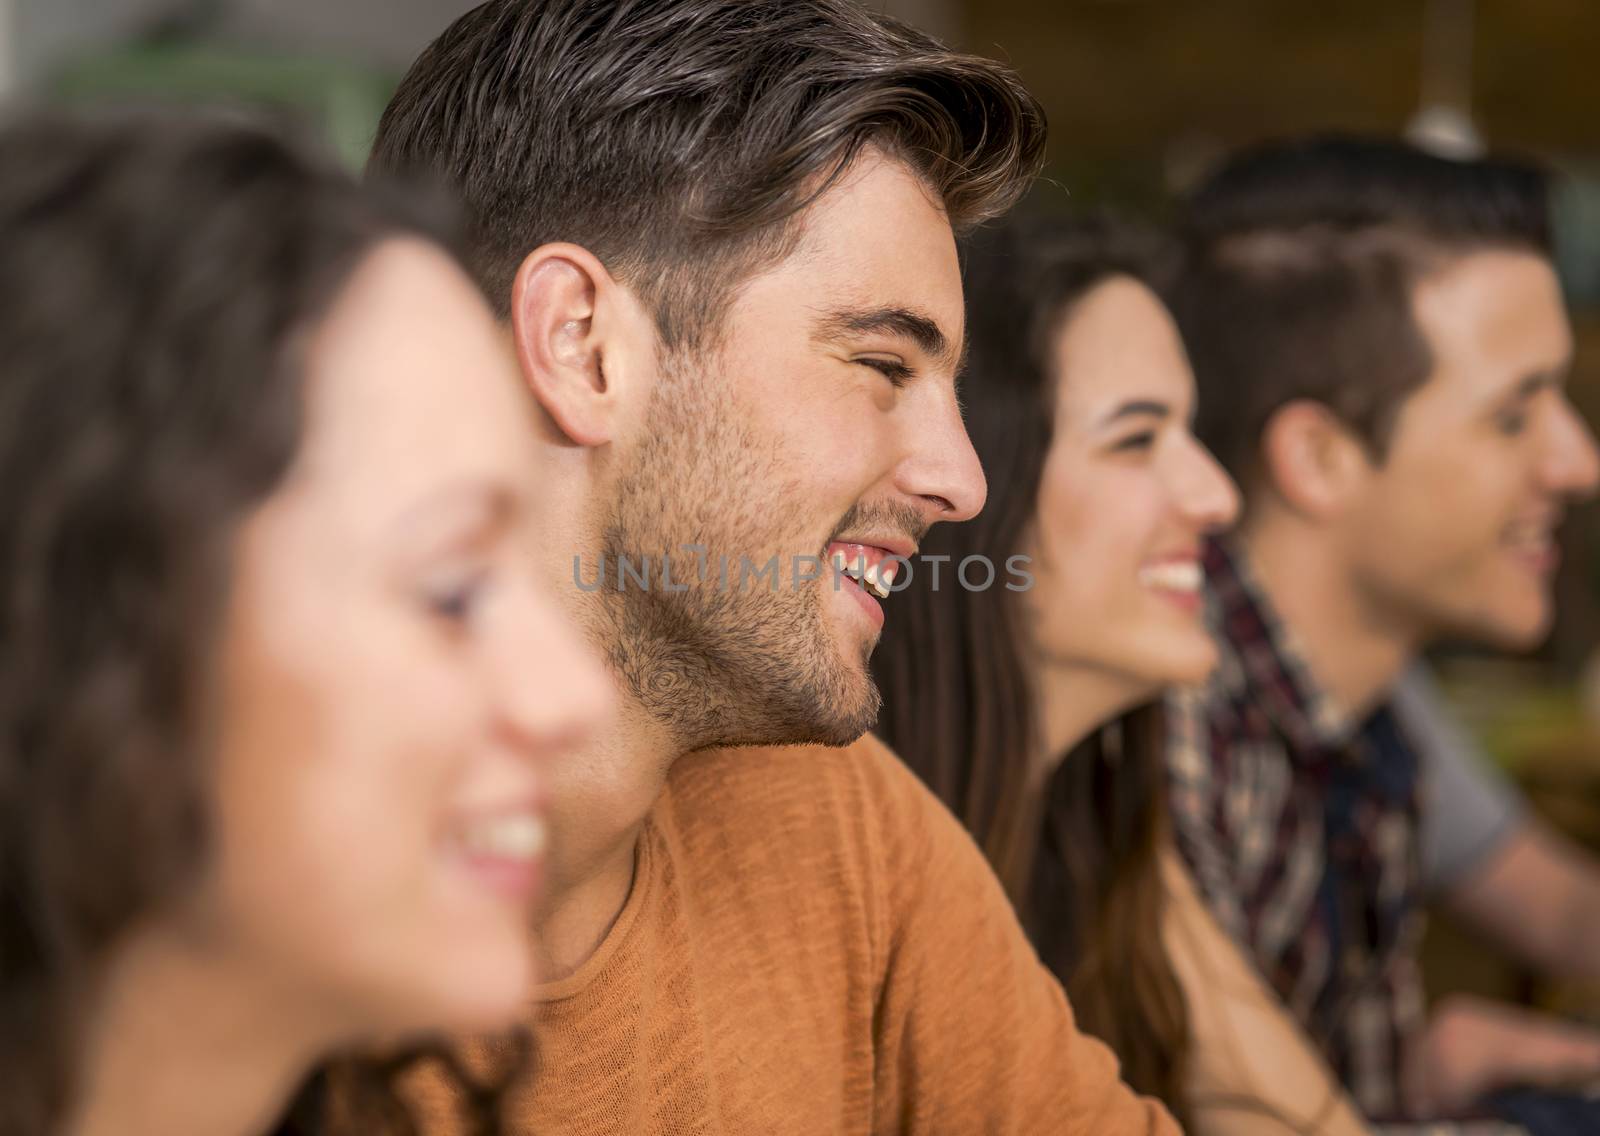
(1034, 711)
(276, 688)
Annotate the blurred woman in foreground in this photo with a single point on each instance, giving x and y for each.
(276, 688)
(1034, 712)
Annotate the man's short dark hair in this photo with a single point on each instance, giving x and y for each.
(677, 140)
(1301, 260)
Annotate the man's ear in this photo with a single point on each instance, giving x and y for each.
(1312, 459)
(558, 301)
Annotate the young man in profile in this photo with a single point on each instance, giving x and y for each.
(721, 234)
(1380, 346)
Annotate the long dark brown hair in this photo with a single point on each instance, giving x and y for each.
(1080, 857)
(160, 277)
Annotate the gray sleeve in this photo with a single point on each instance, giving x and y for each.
(1468, 806)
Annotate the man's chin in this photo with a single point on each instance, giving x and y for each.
(845, 731)
(835, 717)
(1524, 636)
(834, 732)
(1509, 630)
(838, 725)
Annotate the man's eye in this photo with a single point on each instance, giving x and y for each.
(1135, 442)
(892, 369)
(1511, 423)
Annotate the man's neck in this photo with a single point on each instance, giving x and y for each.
(1353, 652)
(186, 1046)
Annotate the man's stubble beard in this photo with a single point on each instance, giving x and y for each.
(1447, 602)
(727, 661)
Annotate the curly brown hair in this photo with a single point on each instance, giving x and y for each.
(161, 276)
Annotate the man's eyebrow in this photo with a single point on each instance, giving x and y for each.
(1137, 406)
(901, 322)
(1536, 382)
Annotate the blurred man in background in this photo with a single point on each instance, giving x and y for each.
(1380, 345)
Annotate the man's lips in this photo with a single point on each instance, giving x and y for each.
(1532, 539)
(881, 545)
(872, 565)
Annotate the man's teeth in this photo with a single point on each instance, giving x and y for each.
(876, 578)
(518, 836)
(1176, 576)
(1526, 535)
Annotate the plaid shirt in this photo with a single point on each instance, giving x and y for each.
(1300, 828)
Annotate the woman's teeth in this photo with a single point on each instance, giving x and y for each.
(876, 578)
(519, 836)
(1174, 576)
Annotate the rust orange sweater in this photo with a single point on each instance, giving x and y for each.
(813, 945)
